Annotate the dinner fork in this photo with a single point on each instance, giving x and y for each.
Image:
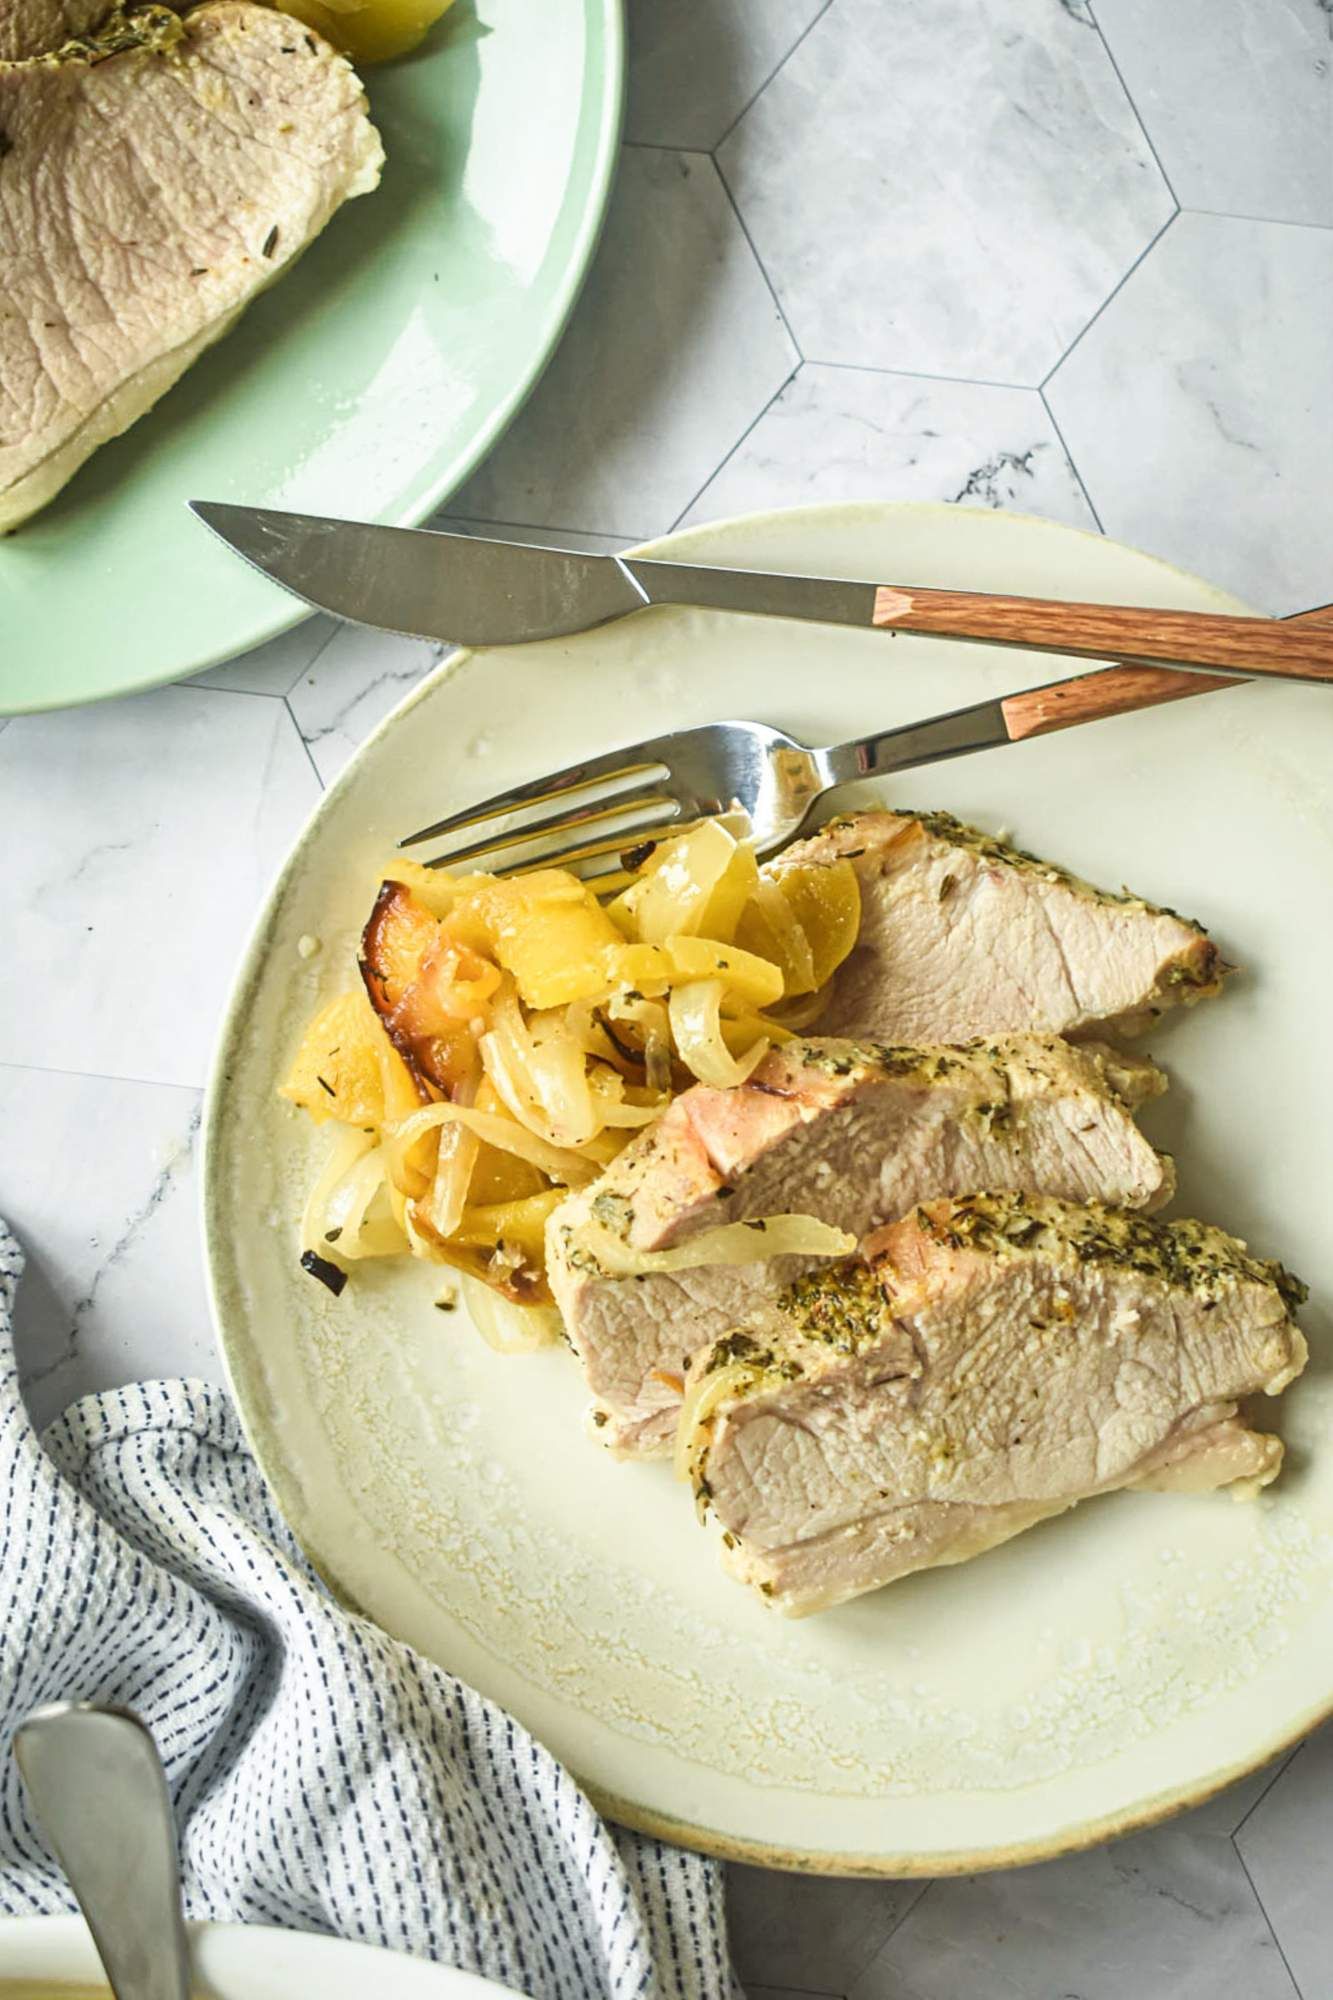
(718, 767)
(692, 774)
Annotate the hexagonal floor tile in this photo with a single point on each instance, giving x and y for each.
(99, 1186)
(675, 348)
(1196, 408)
(693, 70)
(1236, 98)
(272, 668)
(1285, 1844)
(857, 434)
(357, 679)
(136, 868)
(1167, 1915)
(951, 188)
(807, 1932)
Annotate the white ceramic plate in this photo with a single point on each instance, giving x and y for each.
(246, 1962)
(1099, 1671)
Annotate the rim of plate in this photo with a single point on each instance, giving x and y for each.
(216, 1947)
(612, 119)
(627, 1812)
(288, 612)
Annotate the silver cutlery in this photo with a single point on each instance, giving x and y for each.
(477, 592)
(99, 1792)
(722, 766)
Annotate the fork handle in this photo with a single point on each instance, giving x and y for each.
(1120, 690)
(1287, 648)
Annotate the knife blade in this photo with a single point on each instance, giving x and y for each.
(431, 584)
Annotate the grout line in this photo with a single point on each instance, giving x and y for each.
(892, 1932)
(1280, 1772)
(1272, 221)
(213, 687)
(781, 63)
(1114, 293)
(300, 733)
(915, 1904)
(727, 457)
(265, 694)
(339, 625)
(1073, 467)
(1129, 99)
(663, 146)
(101, 1076)
(921, 374)
(759, 262)
(1277, 1942)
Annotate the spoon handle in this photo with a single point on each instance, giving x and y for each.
(98, 1789)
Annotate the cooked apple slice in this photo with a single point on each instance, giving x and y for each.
(423, 991)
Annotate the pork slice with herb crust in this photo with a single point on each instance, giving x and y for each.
(993, 1361)
(146, 196)
(31, 28)
(850, 1134)
(962, 935)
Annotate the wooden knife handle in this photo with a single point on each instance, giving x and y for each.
(1279, 646)
(1120, 690)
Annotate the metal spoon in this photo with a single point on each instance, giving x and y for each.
(98, 1788)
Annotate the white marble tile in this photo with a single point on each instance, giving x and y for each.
(789, 1993)
(1237, 98)
(138, 839)
(675, 347)
(1197, 408)
(97, 1178)
(856, 434)
(808, 1932)
(271, 669)
(357, 679)
(1163, 1915)
(694, 68)
(820, 1930)
(953, 188)
(1287, 1845)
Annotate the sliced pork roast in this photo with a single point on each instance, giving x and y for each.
(962, 935)
(39, 27)
(996, 1359)
(144, 199)
(852, 1134)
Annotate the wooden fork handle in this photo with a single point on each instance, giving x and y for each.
(1090, 697)
(1120, 690)
(1284, 647)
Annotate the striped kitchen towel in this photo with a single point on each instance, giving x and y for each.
(325, 1777)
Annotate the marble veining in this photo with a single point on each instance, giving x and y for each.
(351, 685)
(858, 434)
(1068, 257)
(97, 1176)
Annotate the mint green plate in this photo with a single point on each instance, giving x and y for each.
(368, 382)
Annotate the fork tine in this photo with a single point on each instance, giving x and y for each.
(612, 843)
(573, 816)
(624, 763)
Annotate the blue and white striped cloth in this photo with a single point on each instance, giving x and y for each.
(326, 1778)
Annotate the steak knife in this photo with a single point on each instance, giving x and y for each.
(476, 592)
